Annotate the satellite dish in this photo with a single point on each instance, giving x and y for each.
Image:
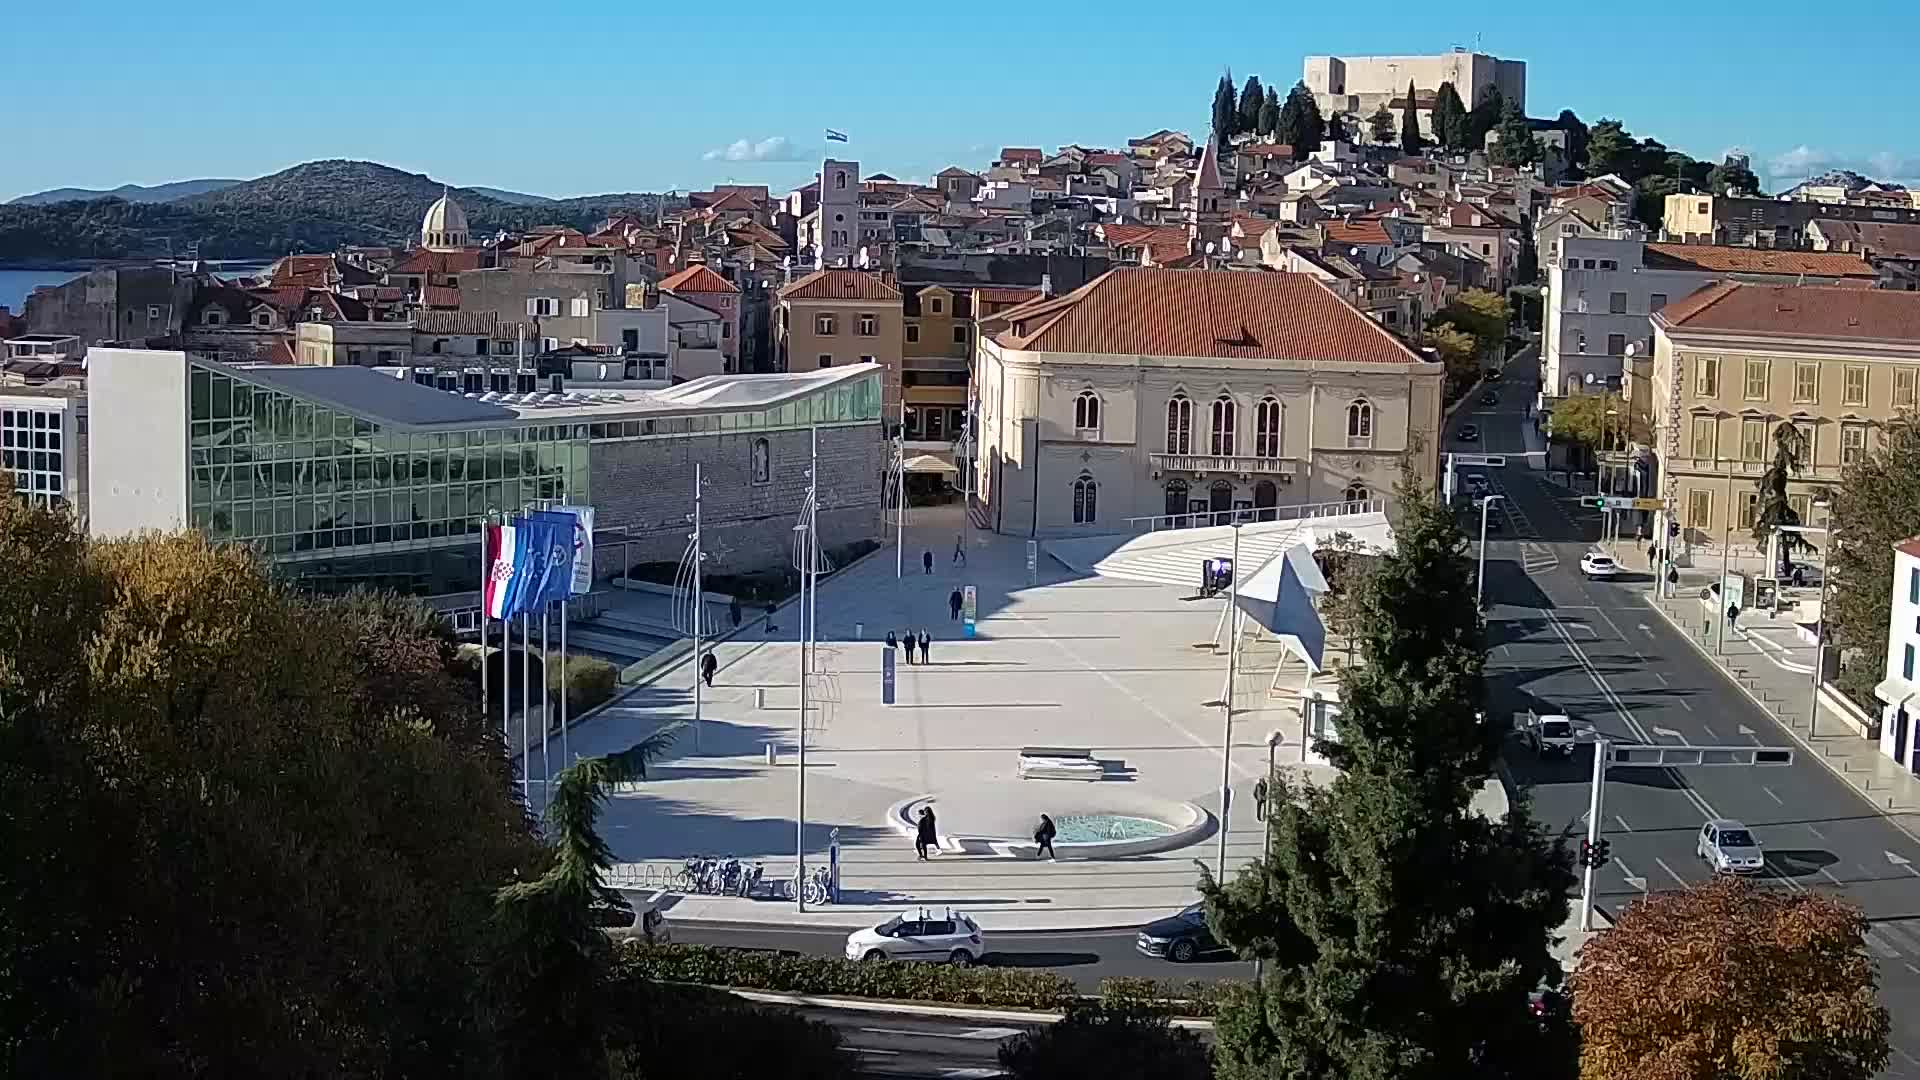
(1590, 378)
(1209, 247)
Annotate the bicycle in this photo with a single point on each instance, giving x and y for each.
(750, 879)
(817, 888)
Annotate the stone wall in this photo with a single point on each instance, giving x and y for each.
(646, 486)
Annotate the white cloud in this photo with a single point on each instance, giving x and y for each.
(776, 148)
(1802, 161)
(1798, 162)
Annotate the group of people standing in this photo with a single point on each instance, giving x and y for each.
(908, 637)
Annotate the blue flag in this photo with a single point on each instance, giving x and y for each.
(529, 559)
(556, 571)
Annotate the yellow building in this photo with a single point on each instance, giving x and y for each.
(832, 318)
(1734, 361)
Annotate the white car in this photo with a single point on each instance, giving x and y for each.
(1478, 484)
(1729, 847)
(1595, 565)
(949, 937)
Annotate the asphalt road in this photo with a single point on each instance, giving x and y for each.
(894, 1045)
(1597, 652)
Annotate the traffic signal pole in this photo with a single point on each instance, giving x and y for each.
(1596, 801)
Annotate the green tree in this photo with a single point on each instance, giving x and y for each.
(1775, 508)
(1410, 140)
(1270, 113)
(291, 819)
(1337, 128)
(1344, 562)
(1517, 146)
(1299, 124)
(1483, 117)
(1480, 312)
(674, 1032)
(1459, 352)
(1726, 981)
(1875, 506)
(1449, 118)
(1247, 115)
(1596, 423)
(1402, 931)
(1116, 1043)
(1732, 176)
(1576, 138)
(1610, 149)
(1226, 114)
(1380, 126)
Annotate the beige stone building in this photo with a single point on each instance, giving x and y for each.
(832, 318)
(1733, 361)
(1156, 398)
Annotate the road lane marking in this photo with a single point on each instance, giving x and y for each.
(1657, 675)
(1777, 799)
(1710, 733)
(1817, 833)
(994, 1033)
(1623, 822)
(1683, 704)
(1828, 874)
(1662, 864)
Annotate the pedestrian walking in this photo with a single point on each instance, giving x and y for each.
(770, 610)
(1043, 836)
(733, 612)
(926, 562)
(708, 665)
(954, 601)
(924, 638)
(960, 550)
(924, 836)
(1733, 613)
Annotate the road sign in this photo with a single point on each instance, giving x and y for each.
(1666, 756)
(1648, 504)
(1618, 502)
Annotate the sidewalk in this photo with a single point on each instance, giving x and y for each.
(1767, 660)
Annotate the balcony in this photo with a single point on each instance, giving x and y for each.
(1242, 465)
(1740, 468)
(936, 363)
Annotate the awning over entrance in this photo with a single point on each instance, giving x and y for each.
(1895, 691)
(927, 463)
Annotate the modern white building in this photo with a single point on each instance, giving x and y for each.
(43, 443)
(1899, 689)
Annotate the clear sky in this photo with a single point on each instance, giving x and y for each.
(587, 96)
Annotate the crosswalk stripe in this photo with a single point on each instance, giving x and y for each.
(1880, 947)
(1900, 937)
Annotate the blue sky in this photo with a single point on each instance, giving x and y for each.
(591, 96)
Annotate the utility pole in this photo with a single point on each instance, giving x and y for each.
(1596, 799)
(699, 602)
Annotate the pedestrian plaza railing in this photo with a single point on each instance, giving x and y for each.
(1247, 515)
(707, 876)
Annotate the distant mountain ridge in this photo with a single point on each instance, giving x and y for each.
(179, 189)
(316, 206)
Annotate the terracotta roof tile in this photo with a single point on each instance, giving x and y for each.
(1745, 260)
(1201, 313)
(1807, 311)
(437, 262)
(697, 278)
(1909, 546)
(1000, 294)
(439, 296)
(840, 285)
(1021, 153)
(1360, 232)
(1265, 150)
(479, 323)
(1884, 239)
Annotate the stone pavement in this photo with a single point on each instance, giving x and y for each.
(1125, 669)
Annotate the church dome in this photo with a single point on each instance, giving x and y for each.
(445, 225)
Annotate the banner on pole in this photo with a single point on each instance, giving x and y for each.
(556, 559)
(582, 547)
(886, 674)
(969, 608)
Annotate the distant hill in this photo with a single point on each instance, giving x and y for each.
(516, 198)
(179, 189)
(317, 206)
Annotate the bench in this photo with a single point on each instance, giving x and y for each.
(1058, 763)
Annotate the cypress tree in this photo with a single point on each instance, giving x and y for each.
(1410, 140)
(1449, 118)
(1270, 113)
(1247, 115)
(1225, 115)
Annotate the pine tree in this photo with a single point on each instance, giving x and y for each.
(1225, 114)
(1252, 97)
(1410, 140)
(1483, 117)
(1380, 126)
(1517, 146)
(1449, 118)
(1270, 113)
(1336, 129)
(1402, 932)
(1313, 127)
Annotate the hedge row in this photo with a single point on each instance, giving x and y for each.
(588, 681)
(1006, 988)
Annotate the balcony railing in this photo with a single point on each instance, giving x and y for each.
(1247, 515)
(1743, 467)
(936, 363)
(1219, 463)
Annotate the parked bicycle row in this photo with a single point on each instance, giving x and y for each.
(707, 876)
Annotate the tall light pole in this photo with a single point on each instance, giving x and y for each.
(1226, 699)
(1265, 801)
(900, 495)
(806, 549)
(1480, 577)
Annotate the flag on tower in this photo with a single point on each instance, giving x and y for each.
(836, 136)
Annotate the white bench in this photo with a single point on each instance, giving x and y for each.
(1058, 763)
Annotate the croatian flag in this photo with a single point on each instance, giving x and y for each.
(502, 548)
(836, 136)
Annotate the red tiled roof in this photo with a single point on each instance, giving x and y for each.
(1265, 150)
(840, 285)
(1020, 153)
(1140, 236)
(1000, 294)
(1909, 546)
(423, 261)
(1884, 239)
(440, 296)
(1106, 158)
(1745, 260)
(697, 278)
(1202, 313)
(1367, 231)
(1803, 311)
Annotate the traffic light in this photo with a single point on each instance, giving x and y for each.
(1601, 853)
(1594, 502)
(1586, 853)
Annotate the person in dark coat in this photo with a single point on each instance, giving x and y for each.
(924, 639)
(926, 562)
(1044, 837)
(708, 665)
(733, 612)
(924, 836)
(954, 602)
(892, 642)
(908, 642)
(771, 608)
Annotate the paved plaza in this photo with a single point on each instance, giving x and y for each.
(1123, 668)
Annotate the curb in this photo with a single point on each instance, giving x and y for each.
(955, 1012)
(1891, 817)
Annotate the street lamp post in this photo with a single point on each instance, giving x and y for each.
(1480, 578)
(1226, 699)
(1265, 807)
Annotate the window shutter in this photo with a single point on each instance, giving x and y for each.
(533, 305)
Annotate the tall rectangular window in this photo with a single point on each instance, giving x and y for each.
(1806, 382)
(1903, 381)
(1616, 344)
(1753, 440)
(1749, 509)
(1913, 586)
(1906, 662)
(1756, 380)
(1704, 430)
(1853, 443)
(1699, 509)
(1656, 301)
(1706, 376)
(1617, 303)
(1853, 391)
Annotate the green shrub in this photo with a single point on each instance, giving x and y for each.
(1113, 1042)
(588, 681)
(1007, 988)
(662, 1032)
(1189, 997)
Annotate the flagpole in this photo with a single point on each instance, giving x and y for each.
(486, 571)
(805, 612)
(566, 606)
(698, 603)
(546, 705)
(526, 708)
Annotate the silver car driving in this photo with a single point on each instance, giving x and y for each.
(1729, 847)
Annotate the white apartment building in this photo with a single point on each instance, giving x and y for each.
(43, 443)
(1898, 690)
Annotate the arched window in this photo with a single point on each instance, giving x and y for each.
(1360, 423)
(1085, 500)
(1356, 492)
(1179, 425)
(1266, 428)
(840, 181)
(1222, 428)
(1086, 411)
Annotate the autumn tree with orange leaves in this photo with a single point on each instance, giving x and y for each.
(1728, 980)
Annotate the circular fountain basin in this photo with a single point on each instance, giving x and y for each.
(1089, 822)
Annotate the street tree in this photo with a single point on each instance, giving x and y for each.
(1594, 423)
(1410, 140)
(1343, 560)
(1775, 508)
(246, 831)
(1380, 126)
(1517, 147)
(1270, 113)
(1449, 118)
(1729, 981)
(1482, 313)
(1111, 1042)
(1247, 114)
(1226, 112)
(1460, 354)
(1402, 931)
(1875, 506)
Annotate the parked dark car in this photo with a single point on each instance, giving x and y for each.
(1490, 397)
(1179, 938)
